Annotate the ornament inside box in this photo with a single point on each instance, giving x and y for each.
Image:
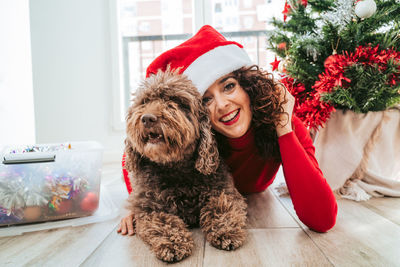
(49, 182)
(358, 143)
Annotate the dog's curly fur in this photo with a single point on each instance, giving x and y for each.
(177, 177)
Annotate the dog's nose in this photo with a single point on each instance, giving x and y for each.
(148, 119)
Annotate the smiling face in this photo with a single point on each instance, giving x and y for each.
(229, 107)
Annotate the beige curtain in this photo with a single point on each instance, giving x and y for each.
(359, 154)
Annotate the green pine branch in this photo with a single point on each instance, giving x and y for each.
(368, 90)
(321, 5)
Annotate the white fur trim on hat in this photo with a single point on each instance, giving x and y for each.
(214, 64)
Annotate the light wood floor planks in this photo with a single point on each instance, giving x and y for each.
(270, 247)
(361, 237)
(366, 234)
(118, 250)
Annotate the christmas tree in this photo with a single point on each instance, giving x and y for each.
(341, 54)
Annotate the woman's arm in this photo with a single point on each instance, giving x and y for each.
(312, 197)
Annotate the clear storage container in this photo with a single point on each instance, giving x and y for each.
(49, 182)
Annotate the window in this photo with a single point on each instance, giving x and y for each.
(149, 27)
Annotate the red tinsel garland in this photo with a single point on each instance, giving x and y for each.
(335, 66)
(309, 107)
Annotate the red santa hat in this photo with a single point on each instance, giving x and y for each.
(204, 58)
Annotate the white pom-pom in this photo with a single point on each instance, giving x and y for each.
(365, 9)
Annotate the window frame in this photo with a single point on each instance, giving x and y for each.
(117, 73)
(202, 14)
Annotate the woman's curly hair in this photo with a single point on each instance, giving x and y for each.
(266, 109)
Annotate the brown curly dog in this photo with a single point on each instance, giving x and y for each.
(178, 180)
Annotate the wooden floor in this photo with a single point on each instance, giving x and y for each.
(366, 234)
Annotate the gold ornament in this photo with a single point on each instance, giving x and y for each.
(282, 66)
(32, 213)
(334, 49)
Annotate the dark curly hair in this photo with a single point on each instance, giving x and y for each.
(266, 109)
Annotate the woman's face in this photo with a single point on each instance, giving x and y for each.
(229, 107)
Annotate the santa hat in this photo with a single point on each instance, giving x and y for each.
(204, 58)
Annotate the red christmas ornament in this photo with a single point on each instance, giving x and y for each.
(90, 202)
(282, 46)
(275, 64)
(304, 2)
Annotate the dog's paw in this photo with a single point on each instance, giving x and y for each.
(174, 252)
(227, 240)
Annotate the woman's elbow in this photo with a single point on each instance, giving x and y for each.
(327, 222)
(322, 222)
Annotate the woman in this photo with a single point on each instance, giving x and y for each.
(254, 126)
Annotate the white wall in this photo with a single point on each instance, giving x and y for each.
(16, 97)
(72, 73)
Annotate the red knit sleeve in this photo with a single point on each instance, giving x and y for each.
(312, 197)
(126, 177)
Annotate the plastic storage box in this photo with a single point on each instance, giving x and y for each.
(49, 182)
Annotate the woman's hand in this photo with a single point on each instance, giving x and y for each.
(127, 225)
(285, 124)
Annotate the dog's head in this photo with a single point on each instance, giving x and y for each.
(167, 123)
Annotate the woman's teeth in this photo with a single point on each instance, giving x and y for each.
(230, 116)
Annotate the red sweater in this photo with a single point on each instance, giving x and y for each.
(312, 197)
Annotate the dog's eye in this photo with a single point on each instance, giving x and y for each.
(186, 106)
(206, 100)
(143, 101)
(183, 105)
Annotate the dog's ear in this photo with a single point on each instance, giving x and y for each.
(132, 157)
(207, 160)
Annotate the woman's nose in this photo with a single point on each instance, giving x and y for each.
(221, 102)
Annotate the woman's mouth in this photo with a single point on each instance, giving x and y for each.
(231, 117)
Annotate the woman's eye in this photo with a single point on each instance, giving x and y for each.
(229, 86)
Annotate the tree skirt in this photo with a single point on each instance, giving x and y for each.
(359, 154)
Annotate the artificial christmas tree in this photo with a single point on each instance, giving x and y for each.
(342, 64)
